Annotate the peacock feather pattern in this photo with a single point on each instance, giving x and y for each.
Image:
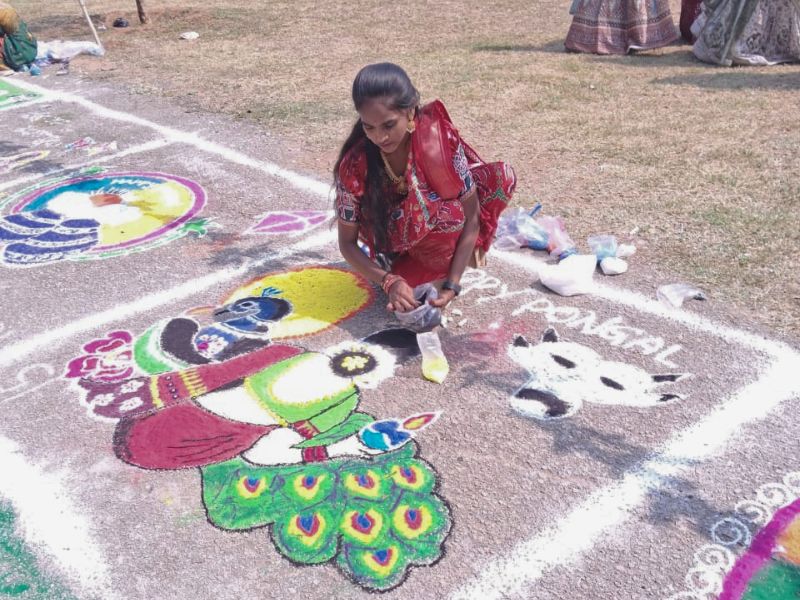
(276, 433)
(374, 517)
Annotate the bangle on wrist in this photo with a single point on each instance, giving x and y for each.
(389, 280)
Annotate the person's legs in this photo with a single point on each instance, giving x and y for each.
(478, 259)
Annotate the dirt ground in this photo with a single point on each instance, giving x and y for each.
(697, 164)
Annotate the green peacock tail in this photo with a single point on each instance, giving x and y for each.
(776, 580)
(20, 575)
(375, 518)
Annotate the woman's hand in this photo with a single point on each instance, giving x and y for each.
(401, 297)
(445, 297)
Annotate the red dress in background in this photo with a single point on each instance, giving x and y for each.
(690, 10)
(424, 229)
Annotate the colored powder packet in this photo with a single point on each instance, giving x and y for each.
(434, 363)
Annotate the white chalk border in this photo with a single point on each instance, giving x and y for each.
(576, 533)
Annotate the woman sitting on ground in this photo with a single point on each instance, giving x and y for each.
(418, 198)
(17, 45)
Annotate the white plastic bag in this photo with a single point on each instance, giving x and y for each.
(674, 294)
(59, 51)
(434, 363)
(626, 250)
(570, 277)
(424, 316)
(611, 265)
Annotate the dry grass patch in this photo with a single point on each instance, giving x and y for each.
(703, 160)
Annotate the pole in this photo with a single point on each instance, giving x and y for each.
(91, 25)
(142, 15)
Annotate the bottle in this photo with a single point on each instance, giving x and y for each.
(434, 362)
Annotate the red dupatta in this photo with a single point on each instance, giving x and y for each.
(427, 171)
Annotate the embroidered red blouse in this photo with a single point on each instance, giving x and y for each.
(417, 213)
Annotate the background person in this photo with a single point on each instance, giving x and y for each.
(618, 26)
(17, 44)
(748, 32)
(690, 10)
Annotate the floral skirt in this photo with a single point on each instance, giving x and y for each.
(617, 26)
(430, 258)
(748, 32)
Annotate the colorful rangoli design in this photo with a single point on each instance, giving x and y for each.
(98, 215)
(373, 518)
(566, 375)
(276, 430)
(20, 573)
(770, 569)
(11, 95)
(320, 297)
(15, 162)
(767, 525)
(296, 222)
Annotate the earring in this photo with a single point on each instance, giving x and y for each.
(411, 126)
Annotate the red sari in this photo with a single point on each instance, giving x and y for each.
(424, 229)
(690, 10)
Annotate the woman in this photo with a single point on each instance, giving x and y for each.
(748, 32)
(17, 45)
(412, 191)
(618, 26)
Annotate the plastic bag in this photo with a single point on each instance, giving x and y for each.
(434, 363)
(509, 242)
(603, 246)
(625, 250)
(613, 265)
(559, 244)
(674, 294)
(517, 228)
(570, 277)
(424, 316)
(59, 51)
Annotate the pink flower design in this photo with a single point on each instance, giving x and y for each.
(290, 221)
(108, 359)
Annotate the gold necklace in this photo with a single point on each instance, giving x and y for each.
(399, 181)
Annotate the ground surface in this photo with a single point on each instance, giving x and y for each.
(700, 161)
(654, 490)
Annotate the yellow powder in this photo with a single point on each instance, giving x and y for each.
(789, 542)
(435, 369)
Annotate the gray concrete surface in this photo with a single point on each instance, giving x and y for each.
(614, 501)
